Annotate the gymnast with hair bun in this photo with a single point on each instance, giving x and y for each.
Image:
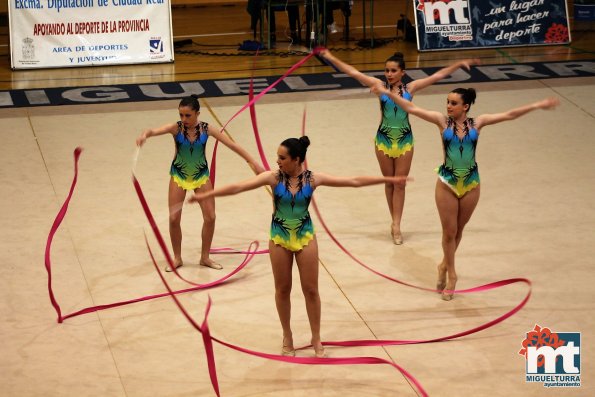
(394, 138)
(292, 233)
(457, 187)
(189, 171)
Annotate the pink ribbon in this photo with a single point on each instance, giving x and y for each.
(54, 228)
(208, 339)
(60, 217)
(361, 360)
(163, 246)
(250, 104)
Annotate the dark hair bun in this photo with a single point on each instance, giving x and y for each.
(297, 147)
(471, 94)
(399, 58)
(190, 101)
(305, 141)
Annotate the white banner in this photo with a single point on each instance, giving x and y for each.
(62, 33)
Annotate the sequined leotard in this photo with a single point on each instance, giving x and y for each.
(189, 169)
(292, 226)
(394, 136)
(459, 171)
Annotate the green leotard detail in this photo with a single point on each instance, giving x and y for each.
(459, 171)
(189, 169)
(292, 227)
(394, 136)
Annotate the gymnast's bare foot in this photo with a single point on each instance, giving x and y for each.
(396, 235)
(287, 349)
(447, 294)
(210, 263)
(441, 283)
(318, 349)
(177, 263)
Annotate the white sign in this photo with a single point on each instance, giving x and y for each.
(62, 33)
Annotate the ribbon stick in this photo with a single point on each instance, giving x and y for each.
(324, 61)
(213, 170)
(228, 250)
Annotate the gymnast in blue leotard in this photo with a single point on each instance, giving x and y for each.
(458, 187)
(189, 171)
(459, 170)
(189, 168)
(292, 233)
(291, 227)
(394, 137)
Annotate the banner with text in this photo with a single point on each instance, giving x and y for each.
(62, 33)
(462, 24)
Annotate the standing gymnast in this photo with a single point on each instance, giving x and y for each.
(190, 171)
(292, 233)
(394, 138)
(457, 187)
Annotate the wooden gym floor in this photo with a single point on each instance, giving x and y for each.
(535, 220)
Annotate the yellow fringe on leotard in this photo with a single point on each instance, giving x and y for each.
(190, 184)
(294, 243)
(394, 151)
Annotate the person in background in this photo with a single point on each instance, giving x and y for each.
(256, 7)
(331, 6)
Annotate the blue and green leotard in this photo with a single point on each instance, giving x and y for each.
(292, 227)
(189, 169)
(459, 171)
(394, 136)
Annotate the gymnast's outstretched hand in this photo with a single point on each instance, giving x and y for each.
(547, 103)
(399, 180)
(379, 88)
(198, 197)
(467, 63)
